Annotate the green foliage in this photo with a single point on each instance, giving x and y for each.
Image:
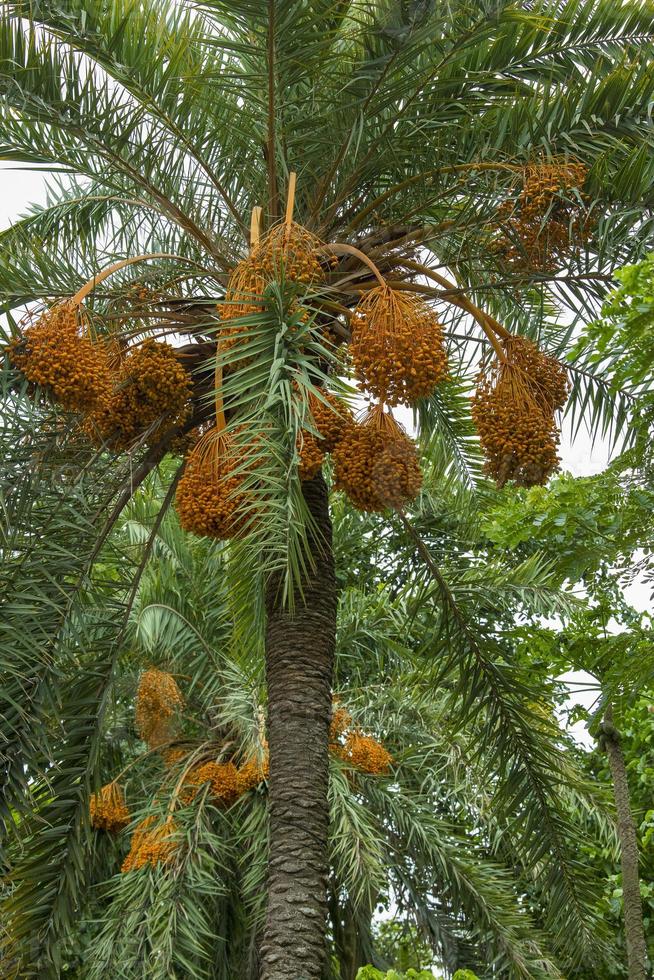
(579, 523)
(635, 722)
(416, 835)
(624, 334)
(621, 344)
(371, 973)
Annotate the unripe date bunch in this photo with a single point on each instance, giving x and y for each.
(375, 463)
(397, 346)
(150, 388)
(514, 412)
(57, 353)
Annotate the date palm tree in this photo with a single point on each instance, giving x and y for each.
(413, 129)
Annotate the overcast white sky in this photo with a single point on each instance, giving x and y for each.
(21, 187)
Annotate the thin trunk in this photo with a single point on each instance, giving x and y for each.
(629, 857)
(357, 944)
(299, 666)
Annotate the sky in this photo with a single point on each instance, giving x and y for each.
(22, 187)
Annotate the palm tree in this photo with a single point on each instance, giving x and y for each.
(425, 138)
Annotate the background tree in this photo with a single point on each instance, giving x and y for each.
(597, 528)
(496, 152)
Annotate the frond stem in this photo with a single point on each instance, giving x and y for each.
(273, 194)
(341, 249)
(89, 286)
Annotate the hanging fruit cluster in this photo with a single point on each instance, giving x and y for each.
(222, 778)
(151, 844)
(172, 757)
(158, 702)
(340, 723)
(210, 501)
(366, 754)
(331, 419)
(397, 346)
(547, 219)
(149, 388)
(376, 463)
(107, 809)
(243, 295)
(253, 772)
(291, 248)
(56, 352)
(514, 412)
(122, 394)
(287, 249)
(349, 744)
(227, 783)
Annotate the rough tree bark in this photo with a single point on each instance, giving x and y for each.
(299, 666)
(629, 857)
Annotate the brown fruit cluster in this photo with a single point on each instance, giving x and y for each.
(182, 444)
(253, 772)
(293, 247)
(375, 463)
(242, 298)
(223, 780)
(151, 388)
(209, 499)
(331, 421)
(172, 757)
(107, 809)
(158, 700)
(397, 346)
(545, 377)
(57, 353)
(547, 220)
(290, 247)
(151, 846)
(340, 723)
(513, 410)
(366, 753)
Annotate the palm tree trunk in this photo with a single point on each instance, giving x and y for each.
(629, 857)
(299, 666)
